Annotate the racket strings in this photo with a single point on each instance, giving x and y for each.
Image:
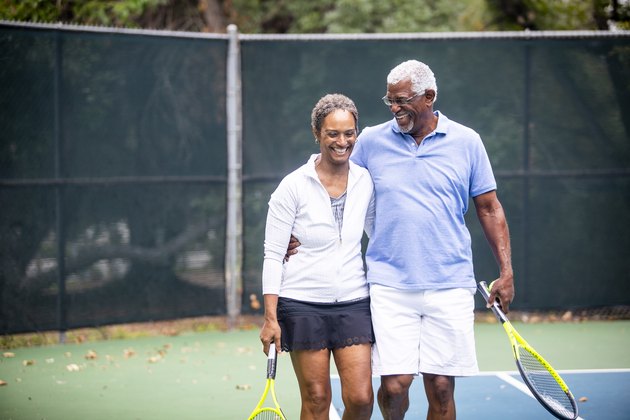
(546, 384)
(268, 415)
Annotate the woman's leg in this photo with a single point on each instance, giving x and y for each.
(355, 372)
(312, 368)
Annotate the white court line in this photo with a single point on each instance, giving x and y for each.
(515, 383)
(560, 371)
(332, 415)
(519, 385)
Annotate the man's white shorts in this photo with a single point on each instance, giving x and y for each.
(427, 331)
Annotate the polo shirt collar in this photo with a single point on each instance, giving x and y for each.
(442, 125)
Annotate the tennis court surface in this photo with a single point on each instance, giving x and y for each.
(605, 395)
(221, 375)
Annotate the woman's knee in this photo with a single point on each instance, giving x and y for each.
(359, 398)
(317, 399)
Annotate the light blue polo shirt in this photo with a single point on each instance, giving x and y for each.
(420, 238)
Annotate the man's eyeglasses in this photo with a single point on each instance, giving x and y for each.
(400, 101)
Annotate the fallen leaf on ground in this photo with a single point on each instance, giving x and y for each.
(244, 387)
(28, 362)
(91, 355)
(73, 367)
(8, 354)
(3, 383)
(154, 359)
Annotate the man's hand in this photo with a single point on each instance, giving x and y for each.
(502, 289)
(292, 248)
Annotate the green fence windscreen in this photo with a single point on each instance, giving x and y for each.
(554, 115)
(113, 161)
(113, 153)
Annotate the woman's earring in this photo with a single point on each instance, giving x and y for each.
(316, 140)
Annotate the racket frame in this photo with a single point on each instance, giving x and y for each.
(272, 363)
(516, 340)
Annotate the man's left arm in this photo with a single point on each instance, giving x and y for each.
(495, 227)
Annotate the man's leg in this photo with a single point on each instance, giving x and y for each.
(447, 347)
(440, 392)
(393, 396)
(395, 354)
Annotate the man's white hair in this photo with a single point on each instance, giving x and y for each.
(421, 76)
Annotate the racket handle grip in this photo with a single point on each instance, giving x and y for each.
(483, 289)
(272, 351)
(271, 361)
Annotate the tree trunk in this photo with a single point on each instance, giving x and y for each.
(213, 16)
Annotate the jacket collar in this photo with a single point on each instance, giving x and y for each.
(353, 176)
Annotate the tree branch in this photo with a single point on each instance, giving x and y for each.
(90, 254)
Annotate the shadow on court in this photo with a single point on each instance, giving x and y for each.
(604, 394)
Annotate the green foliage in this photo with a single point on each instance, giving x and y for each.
(551, 14)
(330, 16)
(88, 12)
(358, 16)
(621, 16)
(29, 10)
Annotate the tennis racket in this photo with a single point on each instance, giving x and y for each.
(541, 379)
(275, 412)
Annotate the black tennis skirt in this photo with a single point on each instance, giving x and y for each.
(317, 326)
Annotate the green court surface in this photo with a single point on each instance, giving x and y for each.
(220, 375)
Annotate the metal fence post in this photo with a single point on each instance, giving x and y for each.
(525, 197)
(234, 224)
(59, 193)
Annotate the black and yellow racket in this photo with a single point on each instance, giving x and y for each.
(275, 412)
(541, 379)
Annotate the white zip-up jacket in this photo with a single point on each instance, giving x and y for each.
(328, 266)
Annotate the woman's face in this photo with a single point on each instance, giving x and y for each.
(337, 136)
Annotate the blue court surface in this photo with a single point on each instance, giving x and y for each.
(601, 395)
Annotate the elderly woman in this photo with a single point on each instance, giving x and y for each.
(317, 304)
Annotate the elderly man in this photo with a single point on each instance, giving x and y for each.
(425, 168)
